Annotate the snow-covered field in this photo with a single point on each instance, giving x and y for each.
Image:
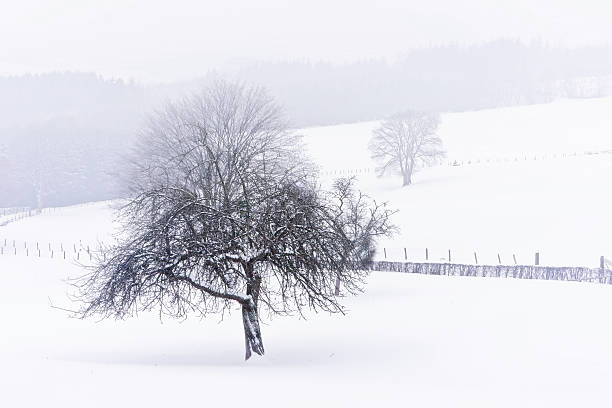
(409, 340)
(412, 340)
(532, 185)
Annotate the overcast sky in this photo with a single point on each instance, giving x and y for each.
(163, 40)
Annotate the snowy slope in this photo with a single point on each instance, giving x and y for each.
(409, 340)
(528, 182)
(564, 126)
(532, 184)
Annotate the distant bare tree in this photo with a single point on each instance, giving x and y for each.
(405, 141)
(226, 211)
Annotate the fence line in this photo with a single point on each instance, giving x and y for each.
(526, 157)
(488, 256)
(12, 214)
(579, 274)
(74, 251)
(88, 248)
(473, 161)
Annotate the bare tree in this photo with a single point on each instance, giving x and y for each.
(226, 211)
(405, 141)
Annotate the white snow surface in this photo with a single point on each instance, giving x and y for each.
(408, 340)
(413, 340)
(533, 179)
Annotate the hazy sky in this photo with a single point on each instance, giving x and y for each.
(155, 40)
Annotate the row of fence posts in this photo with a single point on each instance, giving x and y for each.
(525, 157)
(602, 259)
(13, 210)
(347, 171)
(20, 213)
(38, 250)
(475, 161)
(12, 217)
(505, 159)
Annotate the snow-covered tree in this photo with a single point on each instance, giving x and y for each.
(405, 141)
(226, 211)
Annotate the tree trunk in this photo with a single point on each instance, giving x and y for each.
(407, 172)
(406, 178)
(250, 319)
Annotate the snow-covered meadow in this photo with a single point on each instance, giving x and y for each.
(529, 179)
(408, 339)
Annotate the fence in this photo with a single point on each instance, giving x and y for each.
(488, 255)
(73, 251)
(475, 161)
(526, 157)
(580, 274)
(12, 214)
(83, 252)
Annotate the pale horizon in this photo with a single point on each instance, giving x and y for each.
(155, 41)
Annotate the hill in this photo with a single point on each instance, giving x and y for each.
(427, 341)
(526, 179)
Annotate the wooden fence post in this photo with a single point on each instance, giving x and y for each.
(426, 254)
(537, 258)
(449, 257)
(499, 259)
(385, 251)
(514, 257)
(405, 255)
(475, 258)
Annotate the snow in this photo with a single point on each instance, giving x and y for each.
(409, 340)
(537, 187)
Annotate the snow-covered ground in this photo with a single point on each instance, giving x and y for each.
(409, 339)
(532, 185)
(531, 179)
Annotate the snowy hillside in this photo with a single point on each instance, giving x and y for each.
(527, 181)
(419, 340)
(409, 340)
(515, 181)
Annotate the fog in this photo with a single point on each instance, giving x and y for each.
(157, 40)
(77, 78)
